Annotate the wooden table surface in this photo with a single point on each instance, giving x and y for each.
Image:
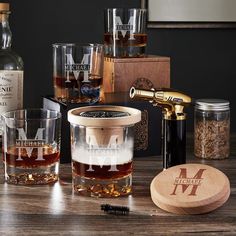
(55, 210)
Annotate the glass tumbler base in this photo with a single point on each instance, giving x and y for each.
(103, 188)
(32, 176)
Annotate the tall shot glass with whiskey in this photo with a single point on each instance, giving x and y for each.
(102, 149)
(78, 72)
(31, 146)
(125, 32)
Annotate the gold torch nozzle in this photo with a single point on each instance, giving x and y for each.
(132, 92)
(141, 93)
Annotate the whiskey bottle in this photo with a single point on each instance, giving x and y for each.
(11, 68)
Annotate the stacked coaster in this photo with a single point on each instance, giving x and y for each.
(190, 189)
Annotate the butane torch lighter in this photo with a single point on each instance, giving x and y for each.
(173, 121)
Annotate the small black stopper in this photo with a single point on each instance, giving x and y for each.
(115, 210)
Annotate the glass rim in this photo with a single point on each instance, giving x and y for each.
(6, 115)
(82, 45)
(126, 9)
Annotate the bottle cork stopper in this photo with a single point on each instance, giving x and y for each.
(4, 6)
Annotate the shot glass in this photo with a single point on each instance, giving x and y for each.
(102, 149)
(31, 146)
(77, 72)
(125, 32)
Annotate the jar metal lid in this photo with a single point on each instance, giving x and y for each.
(104, 116)
(212, 104)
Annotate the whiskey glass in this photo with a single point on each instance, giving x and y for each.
(102, 143)
(31, 146)
(78, 72)
(125, 32)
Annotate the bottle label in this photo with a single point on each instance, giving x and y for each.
(11, 90)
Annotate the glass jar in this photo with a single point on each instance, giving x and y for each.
(78, 72)
(212, 129)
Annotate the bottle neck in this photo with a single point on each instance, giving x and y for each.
(5, 32)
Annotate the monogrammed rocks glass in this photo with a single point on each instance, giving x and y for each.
(31, 146)
(125, 32)
(77, 72)
(102, 149)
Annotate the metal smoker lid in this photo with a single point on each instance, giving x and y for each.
(104, 116)
(190, 189)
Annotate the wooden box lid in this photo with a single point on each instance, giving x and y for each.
(144, 72)
(190, 189)
(147, 58)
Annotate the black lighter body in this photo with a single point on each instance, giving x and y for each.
(174, 142)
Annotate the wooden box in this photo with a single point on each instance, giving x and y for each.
(148, 72)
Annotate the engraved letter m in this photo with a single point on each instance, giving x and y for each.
(29, 149)
(186, 182)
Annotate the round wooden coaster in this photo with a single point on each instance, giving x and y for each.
(190, 189)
